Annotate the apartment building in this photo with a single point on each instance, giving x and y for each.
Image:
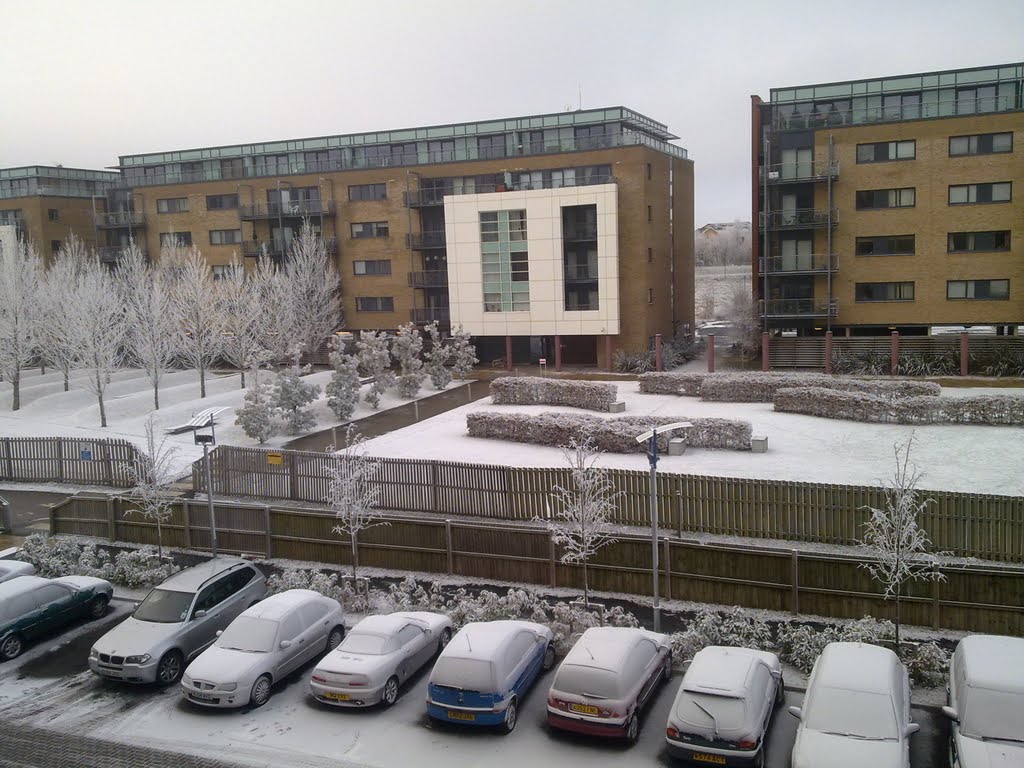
(891, 204)
(562, 236)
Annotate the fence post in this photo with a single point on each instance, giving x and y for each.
(186, 514)
(52, 515)
(435, 500)
(60, 459)
(679, 514)
(935, 595)
(266, 526)
(964, 353)
(711, 352)
(448, 545)
(109, 463)
(551, 549)
(111, 520)
(795, 577)
(667, 557)
(828, 352)
(766, 355)
(293, 477)
(894, 353)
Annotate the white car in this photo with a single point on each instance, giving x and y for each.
(856, 712)
(12, 569)
(986, 702)
(265, 644)
(378, 655)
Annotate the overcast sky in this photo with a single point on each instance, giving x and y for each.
(85, 81)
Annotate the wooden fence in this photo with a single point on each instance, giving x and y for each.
(971, 598)
(66, 460)
(985, 526)
(809, 351)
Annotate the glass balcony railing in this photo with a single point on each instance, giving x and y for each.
(799, 308)
(292, 209)
(799, 218)
(421, 198)
(253, 248)
(119, 219)
(425, 240)
(794, 264)
(801, 116)
(793, 173)
(425, 315)
(110, 254)
(581, 272)
(432, 278)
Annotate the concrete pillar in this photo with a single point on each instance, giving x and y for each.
(508, 354)
(711, 352)
(659, 355)
(558, 352)
(608, 352)
(766, 358)
(964, 352)
(894, 352)
(828, 351)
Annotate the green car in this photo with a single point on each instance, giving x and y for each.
(31, 606)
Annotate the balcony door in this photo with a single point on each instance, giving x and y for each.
(797, 163)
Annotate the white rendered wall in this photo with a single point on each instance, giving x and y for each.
(547, 315)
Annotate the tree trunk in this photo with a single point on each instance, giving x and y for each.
(586, 586)
(156, 397)
(103, 411)
(898, 587)
(355, 554)
(67, 377)
(16, 388)
(242, 371)
(42, 368)
(159, 541)
(202, 380)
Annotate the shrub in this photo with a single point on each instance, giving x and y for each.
(55, 556)
(997, 362)
(534, 390)
(687, 384)
(633, 362)
(927, 664)
(297, 578)
(256, 416)
(735, 628)
(866, 407)
(343, 388)
(867, 362)
(292, 395)
(760, 387)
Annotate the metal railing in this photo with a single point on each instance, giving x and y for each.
(425, 240)
(119, 219)
(887, 114)
(800, 218)
(801, 263)
(790, 173)
(432, 278)
(292, 209)
(576, 307)
(580, 233)
(419, 198)
(253, 248)
(580, 272)
(424, 315)
(799, 308)
(110, 254)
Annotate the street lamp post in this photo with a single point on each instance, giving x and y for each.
(651, 438)
(206, 440)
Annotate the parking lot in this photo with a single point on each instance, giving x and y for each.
(51, 688)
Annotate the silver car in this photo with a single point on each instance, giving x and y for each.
(177, 621)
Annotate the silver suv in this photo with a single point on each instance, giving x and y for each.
(177, 621)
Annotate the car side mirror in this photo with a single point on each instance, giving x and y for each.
(285, 644)
(220, 632)
(198, 614)
(796, 712)
(777, 674)
(911, 729)
(951, 713)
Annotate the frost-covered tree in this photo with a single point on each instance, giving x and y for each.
(311, 291)
(292, 395)
(581, 523)
(897, 544)
(199, 316)
(240, 308)
(273, 315)
(375, 361)
(56, 299)
(256, 417)
(463, 353)
(151, 475)
(353, 491)
(21, 272)
(145, 292)
(406, 349)
(343, 388)
(98, 328)
(437, 358)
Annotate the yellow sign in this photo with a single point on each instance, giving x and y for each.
(275, 458)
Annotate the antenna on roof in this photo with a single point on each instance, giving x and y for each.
(469, 643)
(587, 649)
(579, 90)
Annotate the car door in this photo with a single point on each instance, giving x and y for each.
(292, 632)
(52, 607)
(314, 616)
(645, 657)
(201, 631)
(231, 595)
(526, 655)
(410, 644)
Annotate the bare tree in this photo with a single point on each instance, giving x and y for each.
(21, 272)
(98, 328)
(152, 475)
(896, 542)
(56, 299)
(353, 492)
(240, 307)
(273, 318)
(200, 320)
(582, 523)
(311, 291)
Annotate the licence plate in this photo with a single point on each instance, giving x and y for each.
(455, 715)
(202, 696)
(584, 709)
(110, 672)
(705, 758)
(336, 696)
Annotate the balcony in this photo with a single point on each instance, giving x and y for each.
(111, 254)
(425, 241)
(799, 308)
(803, 264)
(425, 315)
(433, 278)
(581, 307)
(253, 248)
(580, 273)
(580, 234)
(291, 210)
(422, 198)
(800, 218)
(894, 113)
(119, 220)
(801, 173)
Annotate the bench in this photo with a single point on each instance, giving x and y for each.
(202, 419)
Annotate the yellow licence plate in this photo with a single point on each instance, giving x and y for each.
(705, 758)
(584, 709)
(455, 715)
(337, 696)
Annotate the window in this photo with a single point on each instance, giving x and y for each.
(981, 144)
(171, 239)
(221, 271)
(368, 192)
(886, 150)
(992, 290)
(650, 255)
(409, 634)
(901, 106)
(650, 295)
(648, 171)
(53, 214)
(505, 261)
(886, 245)
(441, 151)
(221, 202)
(650, 213)
(375, 304)
(172, 205)
(377, 267)
(967, 242)
(966, 194)
(981, 98)
(369, 229)
(591, 136)
(884, 291)
(225, 236)
(54, 245)
(868, 199)
(490, 146)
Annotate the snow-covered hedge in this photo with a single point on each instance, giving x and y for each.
(867, 407)
(614, 435)
(687, 384)
(55, 556)
(760, 387)
(534, 390)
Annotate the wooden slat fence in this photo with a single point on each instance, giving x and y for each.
(809, 351)
(972, 598)
(985, 526)
(66, 460)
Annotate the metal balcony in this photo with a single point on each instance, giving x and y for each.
(809, 264)
(425, 198)
(425, 241)
(119, 219)
(582, 273)
(800, 218)
(422, 198)
(291, 210)
(111, 254)
(425, 315)
(800, 173)
(580, 234)
(434, 278)
(799, 308)
(253, 248)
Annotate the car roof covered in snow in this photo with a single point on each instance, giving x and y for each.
(276, 606)
(484, 639)
(993, 661)
(725, 671)
(11, 566)
(856, 667)
(386, 624)
(609, 647)
(191, 579)
(21, 585)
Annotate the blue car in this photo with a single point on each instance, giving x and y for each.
(485, 669)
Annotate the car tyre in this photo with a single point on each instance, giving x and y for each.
(260, 693)
(390, 693)
(549, 657)
(98, 607)
(334, 639)
(780, 694)
(11, 647)
(446, 637)
(169, 669)
(633, 729)
(511, 717)
(759, 760)
(666, 674)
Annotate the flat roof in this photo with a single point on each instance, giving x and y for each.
(59, 172)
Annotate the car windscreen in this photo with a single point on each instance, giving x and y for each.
(988, 714)
(707, 711)
(249, 634)
(364, 643)
(164, 606)
(465, 674)
(587, 681)
(852, 713)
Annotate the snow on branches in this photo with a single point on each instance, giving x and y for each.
(353, 491)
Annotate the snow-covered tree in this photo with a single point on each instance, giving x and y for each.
(21, 272)
(98, 328)
(256, 417)
(897, 545)
(463, 353)
(151, 476)
(353, 491)
(273, 315)
(343, 388)
(406, 349)
(199, 316)
(311, 291)
(56, 299)
(292, 395)
(152, 338)
(240, 308)
(437, 358)
(375, 361)
(581, 523)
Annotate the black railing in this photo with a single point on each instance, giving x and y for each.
(799, 263)
(110, 254)
(577, 307)
(433, 278)
(425, 240)
(791, 173)
(580, 272)
(801, 218)
(119, 219)
(292, 209)
(424, 315)
(799, 308)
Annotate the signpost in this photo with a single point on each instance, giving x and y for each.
(275, 458)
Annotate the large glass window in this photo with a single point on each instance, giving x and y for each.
(883, 151)
(225, 236)
(966, 194)
(368, 192)
(491, 146)
(981, 98)
(981, 144)
(178, 239)
(886, 198)
(885, 245)
(221, 202)
(361, 229)
(968, 242)
(372, 267)
(375, 304)
(867, 292)
(505, 261)
(984, 290)
(172, 205)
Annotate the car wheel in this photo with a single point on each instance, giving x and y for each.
(759, 760)
(169, 670)
(633, 729)
(511, 715)
(780, 694)
(549, 657)
(334, 639)
(98, 607)
(11, 647)
(667, 673)
(390, 694)
(446, 637)
(260, 693)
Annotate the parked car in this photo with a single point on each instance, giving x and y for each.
(31, 606)
(486, 668)
(604, 682)
(265, 644)
(378, 655)
(177, 621)
(724, 705)
(856, 711)
(12, 569)
(986, 702)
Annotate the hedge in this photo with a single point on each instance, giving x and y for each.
(760, 387)
(866, 407)
(534, 390)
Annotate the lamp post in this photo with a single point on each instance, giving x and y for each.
(205, 441)
(651, 438)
